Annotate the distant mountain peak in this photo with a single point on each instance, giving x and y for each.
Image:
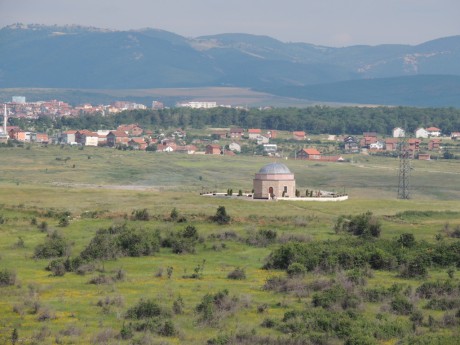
(75, 56)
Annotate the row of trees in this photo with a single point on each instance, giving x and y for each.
(318, 119)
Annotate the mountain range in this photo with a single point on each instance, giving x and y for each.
(38, 56)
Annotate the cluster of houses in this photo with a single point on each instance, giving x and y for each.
(134, 137)
(19, 108)
(370, 141)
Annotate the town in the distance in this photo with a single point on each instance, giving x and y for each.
(422, 144)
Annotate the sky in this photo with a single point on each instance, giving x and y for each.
(335, 23)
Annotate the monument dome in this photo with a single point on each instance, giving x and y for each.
(274, 168)
(274, 180)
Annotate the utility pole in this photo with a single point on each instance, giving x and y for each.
(404, 169)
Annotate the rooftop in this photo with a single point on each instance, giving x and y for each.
(275, 168)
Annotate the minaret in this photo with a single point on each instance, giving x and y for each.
(5, 119)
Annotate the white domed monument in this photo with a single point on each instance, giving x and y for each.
(273, 181)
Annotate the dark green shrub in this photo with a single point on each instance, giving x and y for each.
(382, 260)
(364, 225)
(183, 241)
(167, 329)
(126, 333)
(7, 277)
(57, 267)
(375, 295)
(144, 309)
(415, 268)
(138, 242)
(103, 246)
(55, 246)
(221, 216)
(328, 297)
(407, 240)
(443, 303)
(213, 307)
(401, 306)
(63, 222)
(140, 215)
(237, 274)
(174, 215)
(221, 339)
(178, 306)
(296, 269)
(268, 323)
(43, 226)
(437, 288)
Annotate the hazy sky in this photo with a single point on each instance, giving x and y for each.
(322, 22)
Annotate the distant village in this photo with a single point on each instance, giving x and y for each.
(227, 141)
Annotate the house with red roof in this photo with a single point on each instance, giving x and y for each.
(86, 138)
(253, 133)
(137, 144)
(434, 144)
(132, 130)
(367, 141)
(309, 153)
(167, 147)
(213, 149)
(433, 132)
(42, 138)
(299, 135)
(188, 149)
(236, 133)
(117, 138)
(391, 144)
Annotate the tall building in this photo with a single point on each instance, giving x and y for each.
(18, 99)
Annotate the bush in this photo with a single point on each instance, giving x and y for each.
(329, 297)
(296, 269)
(213, 307)
(401, 306)
(140, 215)
(415, 268)
(101, 279)
(443, 303)
(237, 274)
(221, 216)
(167, 329)
(7, 277)
(268, 323)
(103, 246)
(138, 242)
(57, 267)
(363, 225)
(407, 240)
(183, 241)
(178, 306)
(144, 309)
(43, 226)
(55, 246)
(437, 288)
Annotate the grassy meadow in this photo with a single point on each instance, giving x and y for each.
(101, 187)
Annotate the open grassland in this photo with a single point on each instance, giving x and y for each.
(100, 188)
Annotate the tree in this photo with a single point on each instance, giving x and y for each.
(221, 216)
(14, 336)
(363, 225)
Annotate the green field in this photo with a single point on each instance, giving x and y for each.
(100, 188)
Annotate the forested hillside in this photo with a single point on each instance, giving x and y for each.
(314, 120)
